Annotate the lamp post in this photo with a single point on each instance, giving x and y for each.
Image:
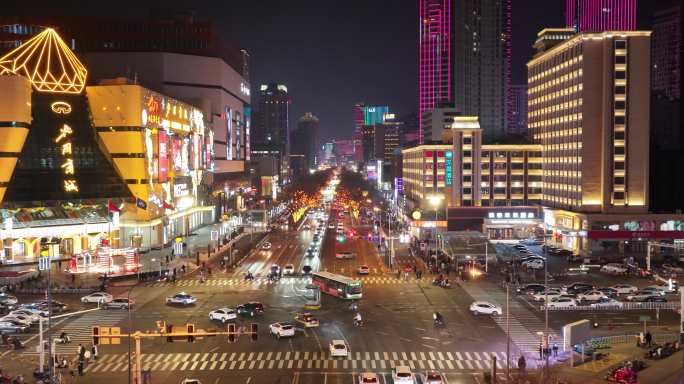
(435, 200)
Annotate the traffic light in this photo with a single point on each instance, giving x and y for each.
(191, 329)
(169, 331)
(232, 334)
(96, 335)
(254, 329)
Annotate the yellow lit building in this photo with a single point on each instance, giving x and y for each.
(111, 165)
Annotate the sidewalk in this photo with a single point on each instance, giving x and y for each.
(669, 370)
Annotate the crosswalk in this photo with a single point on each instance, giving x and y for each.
(80, 329)
(204, 361)
(524, 325)
(257, 282)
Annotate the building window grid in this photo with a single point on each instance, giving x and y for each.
(619, 188)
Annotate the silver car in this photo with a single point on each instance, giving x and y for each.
(10, 326)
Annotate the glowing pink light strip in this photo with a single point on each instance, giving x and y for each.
(601, 15)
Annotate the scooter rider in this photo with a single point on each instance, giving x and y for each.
(439, 320)
(357, 319)
(64, 338)
(353, 306)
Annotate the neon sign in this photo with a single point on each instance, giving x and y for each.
(449, 165)
(61, 108)
(64, 138)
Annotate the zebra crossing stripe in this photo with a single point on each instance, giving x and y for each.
(223, 365)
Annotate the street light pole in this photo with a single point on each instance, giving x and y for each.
(508, 334)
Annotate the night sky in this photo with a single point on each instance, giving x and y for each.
(332, 53)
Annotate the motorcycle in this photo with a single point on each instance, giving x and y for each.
(249, 277)
(439, 322)
(65, 339)
(358, 323)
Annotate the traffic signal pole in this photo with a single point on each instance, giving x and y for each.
(231, 331)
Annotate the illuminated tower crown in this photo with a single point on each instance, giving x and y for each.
(48, 63)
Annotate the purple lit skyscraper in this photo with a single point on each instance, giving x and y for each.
(435, 70)
(600, 15)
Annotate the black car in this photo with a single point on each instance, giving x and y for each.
(610, 292)
(252, 308)
(531, 288)
(579, 288)
(654, 299)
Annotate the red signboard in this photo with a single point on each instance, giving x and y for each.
(627, 235)
(163, 156)
(176, 156)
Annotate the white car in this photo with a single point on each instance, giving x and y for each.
(223, 314)
(662, 289)
(181, 298)
(266, 245)
(288, 269)
(20, 319)
(97, 297)
(368, 378)
(614, 269)
(534, 264)
(562, 302)
(485, 308)
(363, 270)
(282, 330)
(541, 296)
(338, 348)
(591, 296)
(34, 317)
(607, 302)
(402, 375)
(624, 289)
(331, 226)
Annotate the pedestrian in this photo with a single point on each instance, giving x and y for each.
(555, 350)
(93, 352)
(648, 338)
(167, 259)
(183, 269)
(80, 367)
(541, 351)
(81, 352)
(73, 279)
(87, 356)
(522, 364)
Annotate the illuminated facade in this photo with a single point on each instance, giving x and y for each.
(109, 166)
(589, 109)
(600, 15)
(424, 173)
(435, 44)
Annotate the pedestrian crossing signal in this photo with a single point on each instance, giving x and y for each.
(96, 335)
(254, 329)
(232, 334)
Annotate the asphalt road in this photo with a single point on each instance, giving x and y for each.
(397, 313)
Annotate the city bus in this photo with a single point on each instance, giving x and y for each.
(337, 285)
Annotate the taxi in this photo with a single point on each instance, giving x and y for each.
(307, 319)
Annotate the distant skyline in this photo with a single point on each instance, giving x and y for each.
(330, 56)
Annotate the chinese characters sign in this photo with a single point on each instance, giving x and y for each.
(64, 140)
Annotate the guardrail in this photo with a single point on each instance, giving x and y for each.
(625, 307)
(37, 291)
(629, 338)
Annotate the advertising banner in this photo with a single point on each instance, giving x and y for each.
(176, 155)
(163, 156)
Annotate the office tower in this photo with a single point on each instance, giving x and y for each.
(517, 117)
(273, 124)
(481, 57)
(589, 108)
(435, 69)
(305, 139)
(666, 52)
(600, 15)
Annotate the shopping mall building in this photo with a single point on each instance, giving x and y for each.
(93, 168)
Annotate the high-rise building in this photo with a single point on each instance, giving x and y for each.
(305, 139)
(435, 122)
(274, 109)
(374, 114)
(600, 15)
(380, 141)
(589, 108)
(481, 58)
(435, 68)
(666, 52)
(517, 116)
